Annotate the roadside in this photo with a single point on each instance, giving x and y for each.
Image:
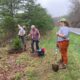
(26, 67)
(75, 30)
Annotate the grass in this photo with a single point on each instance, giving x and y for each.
(34, 68)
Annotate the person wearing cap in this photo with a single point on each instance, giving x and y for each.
(21, 35)
(35, 36)
(63, 41)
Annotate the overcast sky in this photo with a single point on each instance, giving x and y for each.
(56, 7)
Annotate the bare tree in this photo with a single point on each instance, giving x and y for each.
(74, 15)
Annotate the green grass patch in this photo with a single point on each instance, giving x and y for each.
(40, 68)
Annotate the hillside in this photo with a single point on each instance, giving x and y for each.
(24, 66)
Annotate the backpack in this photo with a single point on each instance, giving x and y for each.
(41, 52)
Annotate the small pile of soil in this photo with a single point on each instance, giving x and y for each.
(12, 51)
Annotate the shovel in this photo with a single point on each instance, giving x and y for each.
(55, 66)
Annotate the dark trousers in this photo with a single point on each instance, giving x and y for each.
(23, 41)
(35, 42)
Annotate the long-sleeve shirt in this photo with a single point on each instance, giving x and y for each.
(35, 34)
(65, 31)
(21, 32)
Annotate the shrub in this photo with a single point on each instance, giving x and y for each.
(16, 43)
